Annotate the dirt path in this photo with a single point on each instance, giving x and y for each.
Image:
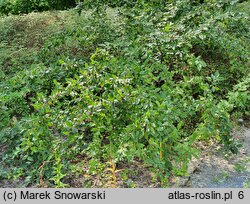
(216, 169)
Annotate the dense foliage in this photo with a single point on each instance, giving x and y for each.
(141, 82)
(27, 6)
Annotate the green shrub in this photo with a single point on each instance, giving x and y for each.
(142, 82)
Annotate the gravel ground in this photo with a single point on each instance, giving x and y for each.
(216, 169)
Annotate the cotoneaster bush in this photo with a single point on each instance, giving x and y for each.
(141, 82)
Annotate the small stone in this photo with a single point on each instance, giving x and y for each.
(240, 121)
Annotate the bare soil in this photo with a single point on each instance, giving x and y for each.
(218, 169)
